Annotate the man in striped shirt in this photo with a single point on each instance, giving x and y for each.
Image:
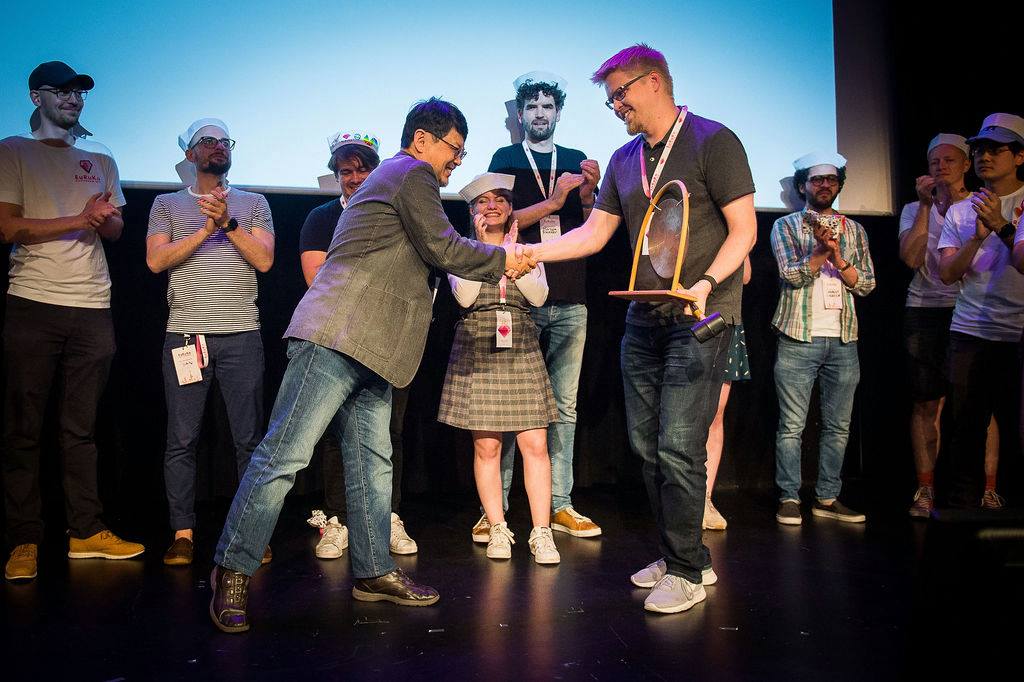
(823, 262)
(212, 238)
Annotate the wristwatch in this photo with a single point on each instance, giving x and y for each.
(1007, 231)
(231, 226)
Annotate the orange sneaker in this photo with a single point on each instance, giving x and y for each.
(103, 545)
(572, 522)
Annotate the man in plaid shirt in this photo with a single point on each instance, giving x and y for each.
(823, 261)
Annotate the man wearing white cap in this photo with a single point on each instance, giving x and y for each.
(554, 193)
(824, 262)
(212, 238)
(58, 197)
(978, 235)
(354, 154)
(929, 307)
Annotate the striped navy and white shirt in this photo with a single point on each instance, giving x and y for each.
(214, 290)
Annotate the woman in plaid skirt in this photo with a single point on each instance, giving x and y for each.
(497, 381)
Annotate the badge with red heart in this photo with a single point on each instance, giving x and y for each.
(86, 165)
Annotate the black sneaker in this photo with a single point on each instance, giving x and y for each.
(789, 513)
(230, 597)
(838, 511)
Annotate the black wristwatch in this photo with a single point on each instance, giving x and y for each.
(231, 226)
(1006, 232)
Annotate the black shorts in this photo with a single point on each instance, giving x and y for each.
(926, 339)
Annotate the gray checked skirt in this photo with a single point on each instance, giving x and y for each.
(496, 389)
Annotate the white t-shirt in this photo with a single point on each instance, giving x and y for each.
(991, 301)
(55, 182)
(826, 321)
(926, 290)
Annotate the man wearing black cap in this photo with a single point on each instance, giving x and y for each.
(58, 196)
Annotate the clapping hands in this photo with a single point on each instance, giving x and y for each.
(215, 207)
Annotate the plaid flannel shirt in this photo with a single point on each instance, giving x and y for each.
(792, 243)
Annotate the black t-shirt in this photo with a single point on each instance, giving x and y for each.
(567, 281)
(711, 162)
(318, 230)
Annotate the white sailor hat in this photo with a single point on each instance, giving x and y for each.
(485, 182)
(187, 138)
(540, 77)
(952, 139)
(340, 139)
(814, 159)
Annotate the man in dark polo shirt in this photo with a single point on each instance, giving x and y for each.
(554, 193)
(671, 381)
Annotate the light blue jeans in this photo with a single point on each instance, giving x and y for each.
(798, 364)
(562, 328)
(318, 384)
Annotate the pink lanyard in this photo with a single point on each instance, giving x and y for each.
(649, 187)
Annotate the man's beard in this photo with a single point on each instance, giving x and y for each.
(818, 205)
(216, 167)
(540, 136)
(62, 118)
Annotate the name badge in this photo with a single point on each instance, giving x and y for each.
(550, 228)
(186, 364)
(503, 329)
(833, 289)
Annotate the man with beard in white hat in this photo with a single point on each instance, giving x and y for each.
(553, 193)
(213, 238)
(823, 261)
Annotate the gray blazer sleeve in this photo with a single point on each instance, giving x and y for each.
(419, 207)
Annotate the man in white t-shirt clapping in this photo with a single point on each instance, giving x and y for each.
(823, 261)
(975, 249)
(59, 195)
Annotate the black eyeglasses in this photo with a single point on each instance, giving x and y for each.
(819, 180)
(211, 142)
(620, 92)
(988, 147)
(460, 153)
(66, 95)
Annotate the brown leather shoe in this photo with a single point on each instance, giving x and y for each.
(179, 553)
(22, 563)
(230, 596)
(394, 587)
(268, 556)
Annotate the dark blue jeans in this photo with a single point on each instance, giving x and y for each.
(672, 383)
(320, 386)
(237, 362)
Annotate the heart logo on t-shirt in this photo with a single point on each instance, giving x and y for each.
(86, 165)
(504, 330)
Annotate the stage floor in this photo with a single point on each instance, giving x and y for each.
(825, 601)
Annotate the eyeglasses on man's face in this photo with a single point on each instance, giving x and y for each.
(460, 152)
(620, 91)
(211, 142)
(66, 95)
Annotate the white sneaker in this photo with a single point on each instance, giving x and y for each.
(500, 544)
(673, 594)
(652, 573)
(713, 519)
(542, 546)
(401, 543)
(334, 540)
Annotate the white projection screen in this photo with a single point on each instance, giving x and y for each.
(284, 77)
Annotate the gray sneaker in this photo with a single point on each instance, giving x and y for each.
(789, 513)
(500, 543)
(838, 511)
(673, 594)
(652, 573)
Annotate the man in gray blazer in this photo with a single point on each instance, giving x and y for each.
(360, 329)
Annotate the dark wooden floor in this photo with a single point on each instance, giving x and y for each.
(825, 601)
